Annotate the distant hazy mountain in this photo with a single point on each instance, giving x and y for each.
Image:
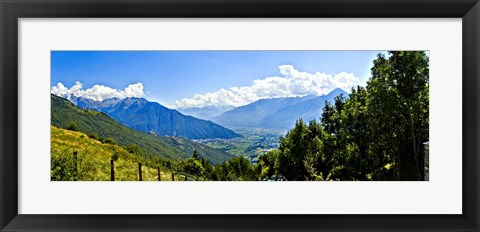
(206, 112)
(151, 117)
(307, 110)
(251, 115)
(277, 112)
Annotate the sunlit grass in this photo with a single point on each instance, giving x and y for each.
(93, 160)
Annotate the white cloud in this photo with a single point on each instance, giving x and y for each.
(292, 83)
(97, 92)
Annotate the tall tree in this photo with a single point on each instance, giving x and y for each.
(399, 102)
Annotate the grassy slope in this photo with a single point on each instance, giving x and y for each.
(90, 121)
(94, 159)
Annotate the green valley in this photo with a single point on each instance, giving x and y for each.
(253, 143)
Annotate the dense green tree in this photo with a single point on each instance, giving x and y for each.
(238, 168)
(135, 149)
(398, 98)
(292, 152)
(301, 154)
(194, 167)
(266, 164)
(208, 167)
(196, 155)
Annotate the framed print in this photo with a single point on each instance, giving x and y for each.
(247, 116)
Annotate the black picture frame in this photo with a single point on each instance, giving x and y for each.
(11, 11)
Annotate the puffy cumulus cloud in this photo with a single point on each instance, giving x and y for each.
(291, 83)
(97, 92)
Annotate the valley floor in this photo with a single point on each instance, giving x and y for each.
(253, 143)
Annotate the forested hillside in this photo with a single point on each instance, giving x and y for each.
(97, 124)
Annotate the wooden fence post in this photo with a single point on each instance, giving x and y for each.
(173, 177)
(159, 177)
(75, 159)
(112, 170)
(140, 171)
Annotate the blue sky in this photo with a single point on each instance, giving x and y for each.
(169, 76)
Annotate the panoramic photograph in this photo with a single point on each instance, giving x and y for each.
(239, 115)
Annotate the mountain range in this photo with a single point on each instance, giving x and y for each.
(206, 112)
(151, 117)
(93, 122)
(277, 112)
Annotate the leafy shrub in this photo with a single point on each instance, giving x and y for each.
(73, 126)
(94, 136)
(109, 141)
(135, 149)
(115, 156)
